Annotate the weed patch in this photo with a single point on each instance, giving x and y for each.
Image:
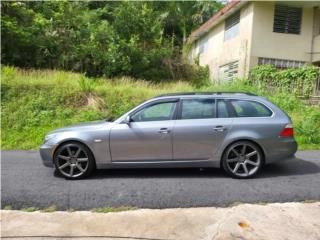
(111, 209)
(30, 209)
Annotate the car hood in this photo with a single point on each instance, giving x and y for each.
(83, 126)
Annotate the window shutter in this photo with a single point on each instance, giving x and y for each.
(287, 19)
(229, 71)
(233, 20)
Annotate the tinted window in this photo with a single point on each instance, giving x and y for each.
(222, 109)
(157, 112)
(250, 109)
(197, 108)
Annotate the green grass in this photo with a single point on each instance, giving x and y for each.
(310, 201)
(235, 204)
(113, 209)
(35, 102)
(30, 209)
(7, 207)
(51, 208)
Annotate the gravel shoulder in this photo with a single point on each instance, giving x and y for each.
(294, 221)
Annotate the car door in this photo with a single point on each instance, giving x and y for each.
(148, 135)
(198, 133)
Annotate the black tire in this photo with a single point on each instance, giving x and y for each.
(242, 165)
(74, 160)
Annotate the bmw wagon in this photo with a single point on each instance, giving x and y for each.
(238, 132)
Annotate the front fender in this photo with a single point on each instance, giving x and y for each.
(96, 140)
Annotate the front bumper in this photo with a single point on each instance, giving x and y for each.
(46, 153)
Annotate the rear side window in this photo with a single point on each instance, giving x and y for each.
(244, 108)
(197, 108)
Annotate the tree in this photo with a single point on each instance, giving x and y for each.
(139, 39)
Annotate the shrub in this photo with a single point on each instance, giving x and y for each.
(199, 76)
(308, 129)
(300, 81)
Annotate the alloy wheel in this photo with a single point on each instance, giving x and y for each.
(72, 160)
(243, 159)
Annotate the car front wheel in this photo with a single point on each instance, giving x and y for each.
(74, 160)
(242, 159)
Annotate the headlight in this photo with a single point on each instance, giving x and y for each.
(48, 137)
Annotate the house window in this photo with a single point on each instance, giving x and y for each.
(203, 45)
(287, 19)
(229, 71)
(231, 28)
(280, 63)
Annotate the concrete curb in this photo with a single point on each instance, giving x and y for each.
(247, 221)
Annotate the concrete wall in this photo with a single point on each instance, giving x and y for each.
(220, 52)
(266, 43)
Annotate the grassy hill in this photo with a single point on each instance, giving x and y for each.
(35, 102)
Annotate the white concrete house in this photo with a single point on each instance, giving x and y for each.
(246, 33)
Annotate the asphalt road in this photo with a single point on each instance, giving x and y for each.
(25, 182)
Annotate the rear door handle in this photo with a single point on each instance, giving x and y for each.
(164, 130)
(219, 128)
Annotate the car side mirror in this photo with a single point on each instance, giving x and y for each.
(127, 120)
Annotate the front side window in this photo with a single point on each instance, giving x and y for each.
(287, 19)
(232, 26)
(197, 108)
(157, 112)
(244, 108)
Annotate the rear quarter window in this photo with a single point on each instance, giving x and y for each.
(247, 108)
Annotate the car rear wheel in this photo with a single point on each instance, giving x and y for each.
(242, 159)
(74, 160)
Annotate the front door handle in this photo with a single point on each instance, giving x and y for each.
(164, 130)
(219, 128)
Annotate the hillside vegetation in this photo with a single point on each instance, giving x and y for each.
(141, 39)
(35, 102)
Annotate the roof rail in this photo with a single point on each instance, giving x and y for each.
(203, 93)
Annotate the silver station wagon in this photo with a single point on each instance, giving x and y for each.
(239, 132)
